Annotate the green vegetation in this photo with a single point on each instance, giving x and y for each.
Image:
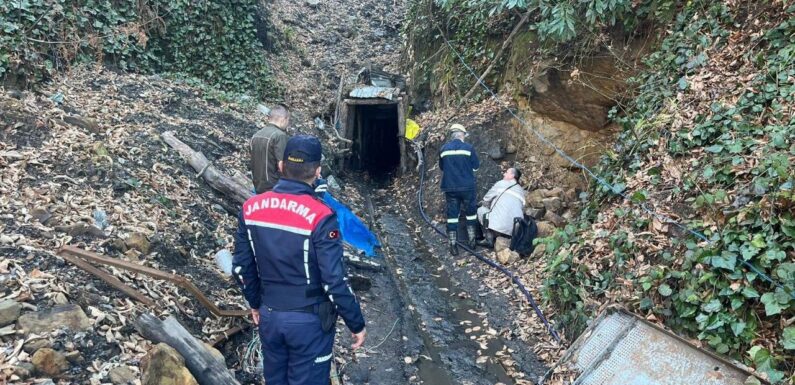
(563, 29)
(215, 41)
(710, 140)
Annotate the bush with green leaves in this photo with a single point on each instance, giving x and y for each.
(215, 41)
(735, 151)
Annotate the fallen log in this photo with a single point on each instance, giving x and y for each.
(214, 177)
(206, 368)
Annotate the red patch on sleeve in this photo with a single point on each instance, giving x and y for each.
(333, 234)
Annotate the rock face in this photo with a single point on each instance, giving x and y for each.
(9, 312)
(67, 316)
(162, 365)
(49, 362)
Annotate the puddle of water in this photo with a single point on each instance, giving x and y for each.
(464, 316)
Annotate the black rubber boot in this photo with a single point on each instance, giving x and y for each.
(488, 239)
(472, 234)
(453, 237)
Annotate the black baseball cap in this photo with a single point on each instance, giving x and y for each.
(303, 149)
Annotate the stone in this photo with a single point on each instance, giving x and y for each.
(535, 199)
(74, 357)
(545, 229)
(556, 219)
(40, 214)
(138, 241)
(507, 256)
(495, 152)
(49, 362)
(118, 245)
(32, 346)
(539, 251)
(122, 375)
(68, 316)
(510, 148)
(60, 299)
(501, 243)
(553, 204)
(536, 213)
(86, 123)
(82, 228)
(24, 370)
(9, 312)
(556, 192)
(162, 365)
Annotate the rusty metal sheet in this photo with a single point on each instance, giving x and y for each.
(369, 92)
(619, 348)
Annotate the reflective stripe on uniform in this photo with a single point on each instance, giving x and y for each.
(251, 241)
(456, 152)
(330, 297)
(291, 229)
(472, 217)
(452, 220)
(306, 260)
(323, 358)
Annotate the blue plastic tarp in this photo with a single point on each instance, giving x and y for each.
(354, 231)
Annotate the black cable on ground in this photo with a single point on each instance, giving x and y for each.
(483, 259)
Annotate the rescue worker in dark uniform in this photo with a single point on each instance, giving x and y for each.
(267, 148)
(288, 260)
(458, 162)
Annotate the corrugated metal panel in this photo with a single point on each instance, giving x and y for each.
(622, 349)
(369, 92)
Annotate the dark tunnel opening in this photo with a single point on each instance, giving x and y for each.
(376, 148)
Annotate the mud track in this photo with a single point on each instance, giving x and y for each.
(446, 327)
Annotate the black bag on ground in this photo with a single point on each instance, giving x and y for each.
(523, 234)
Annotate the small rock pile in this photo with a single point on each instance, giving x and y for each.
(53, 346)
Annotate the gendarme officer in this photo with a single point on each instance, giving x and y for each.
(288, 259)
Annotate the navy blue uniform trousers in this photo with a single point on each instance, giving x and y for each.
(455, 201)
(299, 337)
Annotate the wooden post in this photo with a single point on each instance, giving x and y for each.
(401, 110)
(206, 368)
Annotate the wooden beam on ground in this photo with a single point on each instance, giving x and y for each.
(154, 273)
(206, 368)
(214, 177)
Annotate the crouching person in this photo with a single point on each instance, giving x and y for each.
(288, 260)
(501, 204)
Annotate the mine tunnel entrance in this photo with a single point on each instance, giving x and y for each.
(374, 127)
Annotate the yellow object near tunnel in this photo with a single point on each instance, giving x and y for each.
(412, 129)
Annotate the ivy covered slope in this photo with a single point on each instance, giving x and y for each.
(215, 41)
(708, 141)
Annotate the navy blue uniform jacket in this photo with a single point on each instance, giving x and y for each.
(458, 162)
(288, 253)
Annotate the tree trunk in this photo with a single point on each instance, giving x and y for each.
(206, 368)
(215, 178)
